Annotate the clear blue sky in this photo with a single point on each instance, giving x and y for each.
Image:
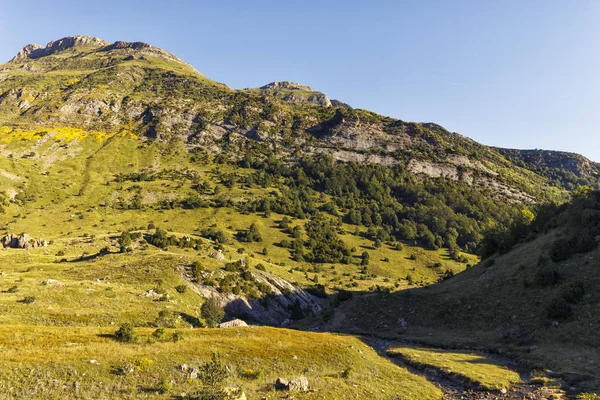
(513, 73)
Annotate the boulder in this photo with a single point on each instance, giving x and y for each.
(232, 324)
(281, 384)
(299, 384)
(218, 255)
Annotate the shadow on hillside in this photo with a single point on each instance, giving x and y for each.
(90, 257)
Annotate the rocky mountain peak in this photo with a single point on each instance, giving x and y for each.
(286, 85)
(34, 50)
(296, 93)
(131, 49)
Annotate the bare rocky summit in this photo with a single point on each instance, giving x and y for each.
(33, 51)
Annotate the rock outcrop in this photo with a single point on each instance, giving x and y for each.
(275, 309)
(23, 241)
(33, 51)
(295, 93)
(286, 85)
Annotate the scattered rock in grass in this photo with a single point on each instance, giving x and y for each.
(183, 367)
(150, 293)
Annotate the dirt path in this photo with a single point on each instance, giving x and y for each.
(455, 390)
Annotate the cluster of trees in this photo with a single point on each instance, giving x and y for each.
(391, 201)
(250, 235)
(160, 238)
(579, 221)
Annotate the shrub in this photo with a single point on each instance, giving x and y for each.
(250, 373)
(260, 267)
(124, 242)
(560, 250)
(212, 312)
(60, 253)
(573, 292)
(197, 270)
(547, 276)
(177, 336)
(558, 309)
(164, 387)
(181, 289)
(212, 375)
(250, 235)
(159, 334)
(582, 241)
(167, 319)
(347, 373)
(126, 333)
(28, 300)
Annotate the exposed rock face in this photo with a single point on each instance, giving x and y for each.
(36, 51)
(350, 132)
(275, 310)
(287, 85)
(23, 241)
(296, 93)
(337, 103)
(553, 160)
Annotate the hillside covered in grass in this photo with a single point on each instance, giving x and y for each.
(534, 296)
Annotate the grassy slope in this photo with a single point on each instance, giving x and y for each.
(42, 363)
(69, 197)
(494, 308)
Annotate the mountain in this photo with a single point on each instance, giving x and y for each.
(86, 83)
(140, 188)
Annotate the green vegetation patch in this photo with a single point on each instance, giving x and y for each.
(478, 369)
